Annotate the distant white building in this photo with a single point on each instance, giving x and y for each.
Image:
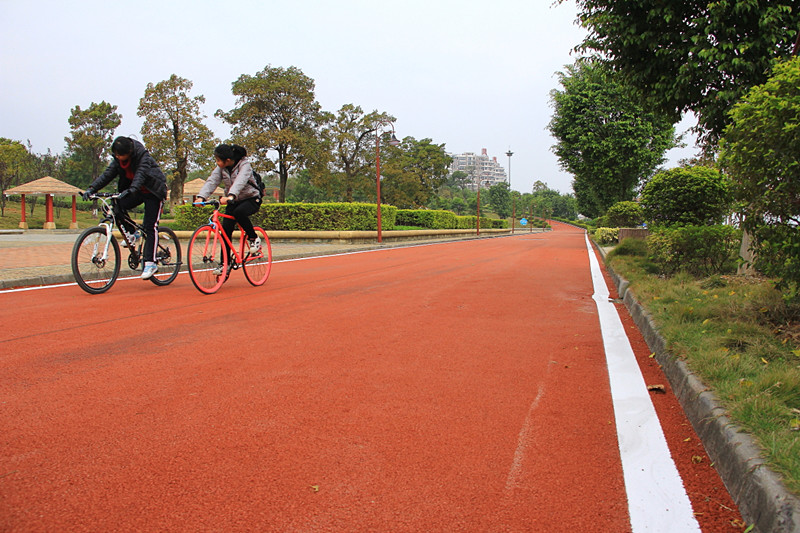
(481, 169)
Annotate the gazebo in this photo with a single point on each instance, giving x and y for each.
(193, 187)
(47, 187)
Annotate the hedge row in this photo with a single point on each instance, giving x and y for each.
(441, 219)
(338, 217)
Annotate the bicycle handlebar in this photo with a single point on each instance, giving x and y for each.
(215, 203)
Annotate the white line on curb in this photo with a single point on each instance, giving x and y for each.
(657, 499)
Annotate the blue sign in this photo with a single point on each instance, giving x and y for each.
(523, 221)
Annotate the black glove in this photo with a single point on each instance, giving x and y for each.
(123, 194)
(87, 193)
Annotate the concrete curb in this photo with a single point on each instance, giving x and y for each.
(759, 492)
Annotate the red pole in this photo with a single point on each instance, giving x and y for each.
(23, 210)
(513, 214)
(74, 211)
(49, 224)
(378, 177)
(478, 221)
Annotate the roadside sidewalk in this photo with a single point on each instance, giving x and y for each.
(40, 257)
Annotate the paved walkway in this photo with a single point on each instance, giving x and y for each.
(39, 257)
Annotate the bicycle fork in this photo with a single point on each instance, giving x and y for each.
(102, 259)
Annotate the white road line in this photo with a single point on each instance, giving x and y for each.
(657, 499)
(523, 441)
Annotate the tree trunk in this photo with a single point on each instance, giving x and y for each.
(747, 255)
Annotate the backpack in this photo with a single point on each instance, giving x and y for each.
(259, 184)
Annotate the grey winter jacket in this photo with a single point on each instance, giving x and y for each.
(238, 181)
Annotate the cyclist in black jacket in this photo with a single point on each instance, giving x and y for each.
(141, 181)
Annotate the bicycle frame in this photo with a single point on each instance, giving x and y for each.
(96, 264)
(216, 225)
(210, 264)
(108, 221)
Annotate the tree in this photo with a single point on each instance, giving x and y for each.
(500, 199)
(759, 150)
(173, 131)
(277, 111)
(353, 151)
(694, 55)
(412, 172)
(90, 139)
(686, 196)
(458, 179)
(14, 158)
(605, 138)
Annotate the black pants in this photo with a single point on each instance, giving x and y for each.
(241, 211)
(152, 214)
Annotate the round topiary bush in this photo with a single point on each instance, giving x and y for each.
(686, 196)
(625, 215)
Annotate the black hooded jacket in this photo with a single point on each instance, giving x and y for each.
(146, 173)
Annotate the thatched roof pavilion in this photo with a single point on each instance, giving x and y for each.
(47, 187)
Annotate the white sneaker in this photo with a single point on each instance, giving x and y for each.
(132, 237)
(255, 246)
(218, 271)
(149, 270)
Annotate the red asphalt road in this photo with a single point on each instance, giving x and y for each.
(453, 387)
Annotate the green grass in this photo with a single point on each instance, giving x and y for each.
(62, 216)
(742, 339)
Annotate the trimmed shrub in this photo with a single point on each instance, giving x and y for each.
(686, 196)
(301, 217)
(427, 218)
(625, 215)
(324, 217)
(697, 250)
(606, 235)
(191, 217)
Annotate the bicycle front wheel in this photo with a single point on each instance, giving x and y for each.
(168, 257)
(208, 260)
(95, 260)
(258, 266)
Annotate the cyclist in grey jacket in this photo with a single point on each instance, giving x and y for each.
(242, 198)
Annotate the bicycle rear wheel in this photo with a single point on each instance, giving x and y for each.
(94, 273)
(257, 267)
(168, 257)
(208, 260)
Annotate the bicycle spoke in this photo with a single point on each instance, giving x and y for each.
(258, 266)
(206, 269)
(95, 261)
(168, 257)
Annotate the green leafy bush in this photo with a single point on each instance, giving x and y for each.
(686, 196)
(697, 250)
(301, 217)
(631, 247)
(427, 218)
(606, 235)
(191, 217)
(324, 217)
(759, 149)
(625, 215)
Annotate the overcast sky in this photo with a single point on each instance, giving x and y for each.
(468, 74)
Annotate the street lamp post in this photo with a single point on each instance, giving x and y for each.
(478, 205)
(513, 202)
(394, 142)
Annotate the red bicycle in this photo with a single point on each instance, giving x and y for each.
(212, 256)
